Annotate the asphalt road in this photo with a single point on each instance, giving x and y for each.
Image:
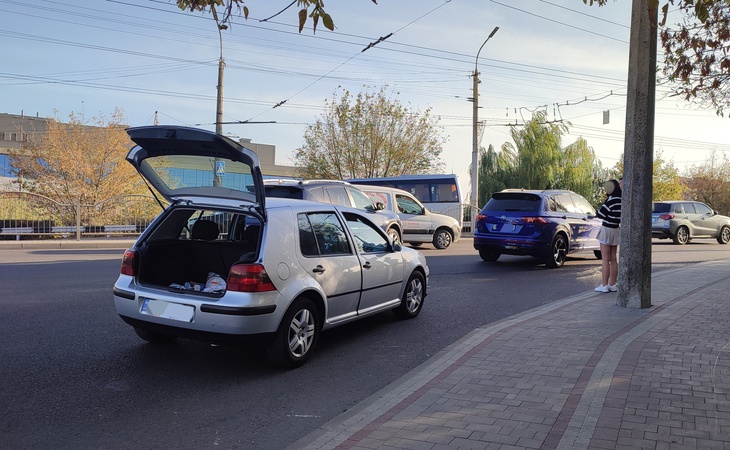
(74, 376)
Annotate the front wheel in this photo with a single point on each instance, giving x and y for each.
(393, 235)
(442, 239)
(297, 335)
(413, 297)
(724, 236)
(682, 236)
(558, 252)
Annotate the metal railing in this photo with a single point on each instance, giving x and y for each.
(26, 215)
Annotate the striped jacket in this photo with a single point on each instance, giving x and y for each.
(610, 212)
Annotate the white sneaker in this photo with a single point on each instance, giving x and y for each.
(613, 288)
(601, 288)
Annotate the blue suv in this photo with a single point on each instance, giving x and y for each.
(547, 224)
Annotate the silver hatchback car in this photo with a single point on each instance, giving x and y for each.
(223, 262)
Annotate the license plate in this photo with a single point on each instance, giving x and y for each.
(167, 310)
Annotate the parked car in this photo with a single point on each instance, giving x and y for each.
(223, 262)
(339, 193)
(682, 221)
(419, 224)
(547, 224)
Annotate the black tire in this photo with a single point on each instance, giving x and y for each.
(682, 236)
(297, 335)
(413, 297)
(442, 239)
(153, 337)
(598, 254)
(489, 256)
(415, 244)
(558, 252)
(724, 236)
(394, 235)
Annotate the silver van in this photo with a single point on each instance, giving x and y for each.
(419, 224)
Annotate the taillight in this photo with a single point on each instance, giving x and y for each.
(129, 263)
(537, 220)
(667, 216)
(481, 217)
(249, 278)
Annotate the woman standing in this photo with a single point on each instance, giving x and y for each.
(608, 236)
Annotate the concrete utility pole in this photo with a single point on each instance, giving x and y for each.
(475, 136)
(217, 178)
(635, 250)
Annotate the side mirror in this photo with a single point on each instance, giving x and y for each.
(397, 246)
(379, 206)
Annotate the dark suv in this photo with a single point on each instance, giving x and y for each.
(682, 221)
(338, 193)
(545, 224)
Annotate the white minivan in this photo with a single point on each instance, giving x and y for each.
(419, 224)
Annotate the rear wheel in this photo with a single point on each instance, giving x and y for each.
(297, 335)
(414, 244)
(558, 252)
(412, 301)
(152, 337)
(442, 239)
(488, 255)
(682, 236)
(724, 236)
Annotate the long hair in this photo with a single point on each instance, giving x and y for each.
(612, 188)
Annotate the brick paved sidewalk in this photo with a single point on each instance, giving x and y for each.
(578, 373)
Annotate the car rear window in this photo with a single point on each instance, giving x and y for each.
(284, 192)
(662, 208)
(514, 201)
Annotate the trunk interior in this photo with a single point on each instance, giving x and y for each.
(188, 245)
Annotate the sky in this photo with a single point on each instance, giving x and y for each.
(149, 58)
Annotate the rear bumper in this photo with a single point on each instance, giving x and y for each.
(512, 246)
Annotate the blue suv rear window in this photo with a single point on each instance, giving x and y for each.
(516, 201)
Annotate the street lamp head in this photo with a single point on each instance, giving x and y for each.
(493, 32)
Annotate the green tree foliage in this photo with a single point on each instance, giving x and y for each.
(493, 170)
(667, 182)
(710, 183)
(537, 160)
(369, 135)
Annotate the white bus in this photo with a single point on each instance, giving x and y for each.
(438, 193)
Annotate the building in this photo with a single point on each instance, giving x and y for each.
(16, 129)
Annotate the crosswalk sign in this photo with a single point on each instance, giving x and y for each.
(220, 168)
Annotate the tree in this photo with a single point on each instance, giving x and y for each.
(667, 182)
(74, 162)
(227, 6)
(537, 147)
(710, 183)
(369, 136)
(696, 57)
(536, 160)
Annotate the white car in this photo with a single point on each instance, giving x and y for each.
(223, 262)
(419, 224)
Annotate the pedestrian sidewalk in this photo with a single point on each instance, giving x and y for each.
(578, 373)
(54, 244)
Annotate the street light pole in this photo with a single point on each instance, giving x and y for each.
(475, 136)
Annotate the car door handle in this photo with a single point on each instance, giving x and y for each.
(318, 269)
(367, 265)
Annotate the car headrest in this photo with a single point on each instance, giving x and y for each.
(205, 230)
